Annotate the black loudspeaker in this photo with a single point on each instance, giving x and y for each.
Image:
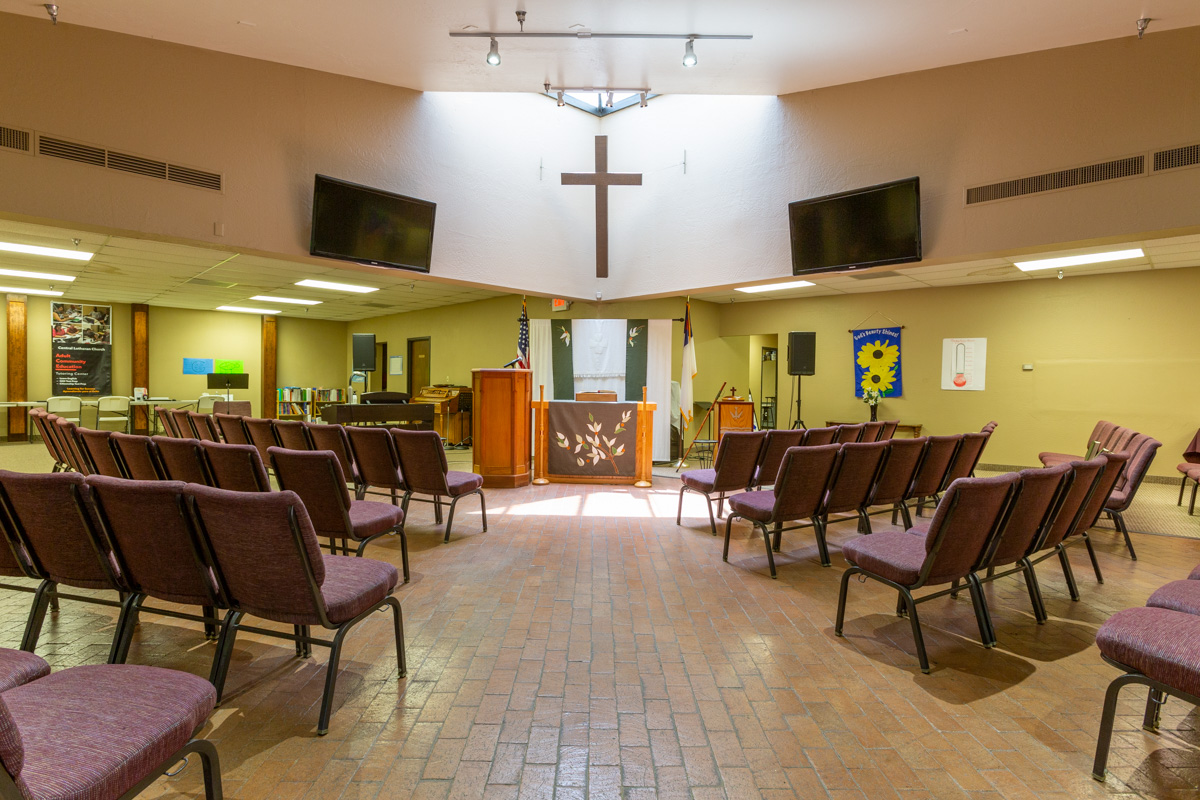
(802, 353)
(364, 352)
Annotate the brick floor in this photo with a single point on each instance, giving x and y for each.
(588, 647)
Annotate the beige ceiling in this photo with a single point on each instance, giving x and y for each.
(130, 270)
(796, 45)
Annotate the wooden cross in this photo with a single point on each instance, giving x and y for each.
(602, 179)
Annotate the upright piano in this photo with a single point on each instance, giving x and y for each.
(452, 410)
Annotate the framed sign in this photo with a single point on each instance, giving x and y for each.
(81, 349)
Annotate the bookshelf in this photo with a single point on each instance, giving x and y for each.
(301, 402)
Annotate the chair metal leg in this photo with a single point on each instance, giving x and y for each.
(954, 589)
(1182, 486)
(767, 541)
(404, 503)
(1192, 502)
(916, 629)
(37, 615)
(728, 523)
(983, 617)
(720, 505)
(210, 628)
(712, 523)
(778, 536)
(906, 515)
(901, 606)
(679, 513)
(482, 507)
(1068, 573)
(224, 654)
(1087, 540)
(398, 624)
(1035, 591)
(437, 511)
(1119, 519)
(841, 610)
(1104, 739)
(1153, 717)
(822, 547)
(126, 624)
(210, 765)
(450, 518)
(864, 523)
(331, 671)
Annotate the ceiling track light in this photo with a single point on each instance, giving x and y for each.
(561, 102)
(1142, 24)
(52, 10)
(689, 53)
(493, 56)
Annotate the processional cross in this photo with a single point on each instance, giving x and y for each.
(602, 179)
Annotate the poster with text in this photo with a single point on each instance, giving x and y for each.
(964, 364)
(877, 362)
(81, 350)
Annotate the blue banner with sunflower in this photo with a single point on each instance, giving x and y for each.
(877, 361)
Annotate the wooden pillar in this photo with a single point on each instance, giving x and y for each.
(268, 368)
(140, 362)
(18, 366)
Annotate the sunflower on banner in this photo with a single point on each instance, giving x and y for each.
(877, 361)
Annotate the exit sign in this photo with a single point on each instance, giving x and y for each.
(558, 304)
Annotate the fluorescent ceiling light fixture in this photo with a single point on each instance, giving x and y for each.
(43, 276)
(249, 310)
(53, 252)
(1075, 261)
(268, 299)
(44, 292)
(337, 287)
(774, 287)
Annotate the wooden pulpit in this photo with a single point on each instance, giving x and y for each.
(500, 427)
(734, 415)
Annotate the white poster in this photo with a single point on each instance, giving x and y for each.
(964, 364)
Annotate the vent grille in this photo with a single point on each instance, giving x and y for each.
(1063, 179)
(1187, 156)
(194, 177)
(14, 139)
(137, 165)
(870, 276)
(71, 151)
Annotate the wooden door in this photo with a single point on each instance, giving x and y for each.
(378, 380)
(418, 364)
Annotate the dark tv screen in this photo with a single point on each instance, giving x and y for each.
(371, 226)
(857, 229)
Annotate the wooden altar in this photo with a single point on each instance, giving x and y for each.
(595, 447)
(500, 426)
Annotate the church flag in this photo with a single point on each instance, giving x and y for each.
(563, 359)
(636, 351)
(523, 338)
(686, 401)
(877, 361)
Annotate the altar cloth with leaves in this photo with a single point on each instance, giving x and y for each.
(594, 440)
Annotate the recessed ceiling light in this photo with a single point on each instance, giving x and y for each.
(1075, 261)
(774, 287)
(53, 252)
(337, 287)
(45, 276)
(268, 299)
(249, 310)
(43, 292)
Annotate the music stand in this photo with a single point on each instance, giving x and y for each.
(228, 381)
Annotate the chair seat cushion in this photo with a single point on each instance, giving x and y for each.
(368, 518)
(1178, 596)
(1159, 643)
(1195, 574)
(461, 483)
(18, 667)
(1054, 459)
(353, 585)
(1118, 500)
(1186, 467)
(702, 480)
(892, 555)
(753, 505)
(95, 731)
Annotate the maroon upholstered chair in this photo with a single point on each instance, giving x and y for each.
(930, 477)
(815, 437)
(203, 427)
(1190, 468)
(290, 434)
(1127, 485)
(183, 425)
(733, 470)
(261, 434)
(770, 457)
(68, 440)
(1094, 507)
(137, 456)
(317, 477)
(848, 433)
(167, 421)
(103, 732)
(1067, 521)
(374, 452)
(798, 492)
(182, 460)
(96, 448)
(334, 439)
(232, 431)
(50, 440)
(988, 428)
(1099, 438)
(56, 542)
(153, 543)
(423, 465)
(965, 458)
(945, 550)
(872, 431)
(268, 564)
(858, 469)
(235, 408)
(236, 467)
(891, 487)
(889, 429)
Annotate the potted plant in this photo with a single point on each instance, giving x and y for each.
(872, 397)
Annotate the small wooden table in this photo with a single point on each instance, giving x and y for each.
(914, 431)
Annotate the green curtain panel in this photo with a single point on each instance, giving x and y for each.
(564, 361)
(636, 348)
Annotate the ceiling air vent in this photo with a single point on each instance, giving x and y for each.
(71, 151)
(1187, 156)
(1063, 179)
(138, 165)
(14, 139)
(870, 276)
(194, 177)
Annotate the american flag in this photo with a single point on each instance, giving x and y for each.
(523, 338)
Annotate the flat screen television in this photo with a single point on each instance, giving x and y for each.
(857, 229)
(371, 226)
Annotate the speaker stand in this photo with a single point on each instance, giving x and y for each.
(798, 422)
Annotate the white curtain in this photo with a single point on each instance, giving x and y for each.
(541, 360)
(598, 352)
(658, 385)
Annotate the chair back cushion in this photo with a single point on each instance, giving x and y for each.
(375, 454)
(815, 437)
(183, 423)
(904, 456)
(1119, 440)
(202, 425)
(166, 421)
(68, 440)
(964, 522)
(99, 452)
(889, 429)
(1131, 477)
(152, 534)
(1070, 505)
(1031, 510)
(848, 433)
(138, 456)
(236, 467)
(231, 428)
(316, 477)
(290, 434)
(871, 431)
(966, 457)
(803, 480)
(858, 467)
(261, 434)
(181, 459)
(939, 452)
(991, 426)
(264, 564)
(1114, 464)
(737, 455)
(422, 461)
(770, 458)
(332, 438)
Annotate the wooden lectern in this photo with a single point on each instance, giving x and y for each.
(734, 415)
(500, 427)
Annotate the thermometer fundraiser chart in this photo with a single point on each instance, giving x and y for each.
(964, 364)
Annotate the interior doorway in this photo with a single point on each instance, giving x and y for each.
(377, 381)
(418, 364)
